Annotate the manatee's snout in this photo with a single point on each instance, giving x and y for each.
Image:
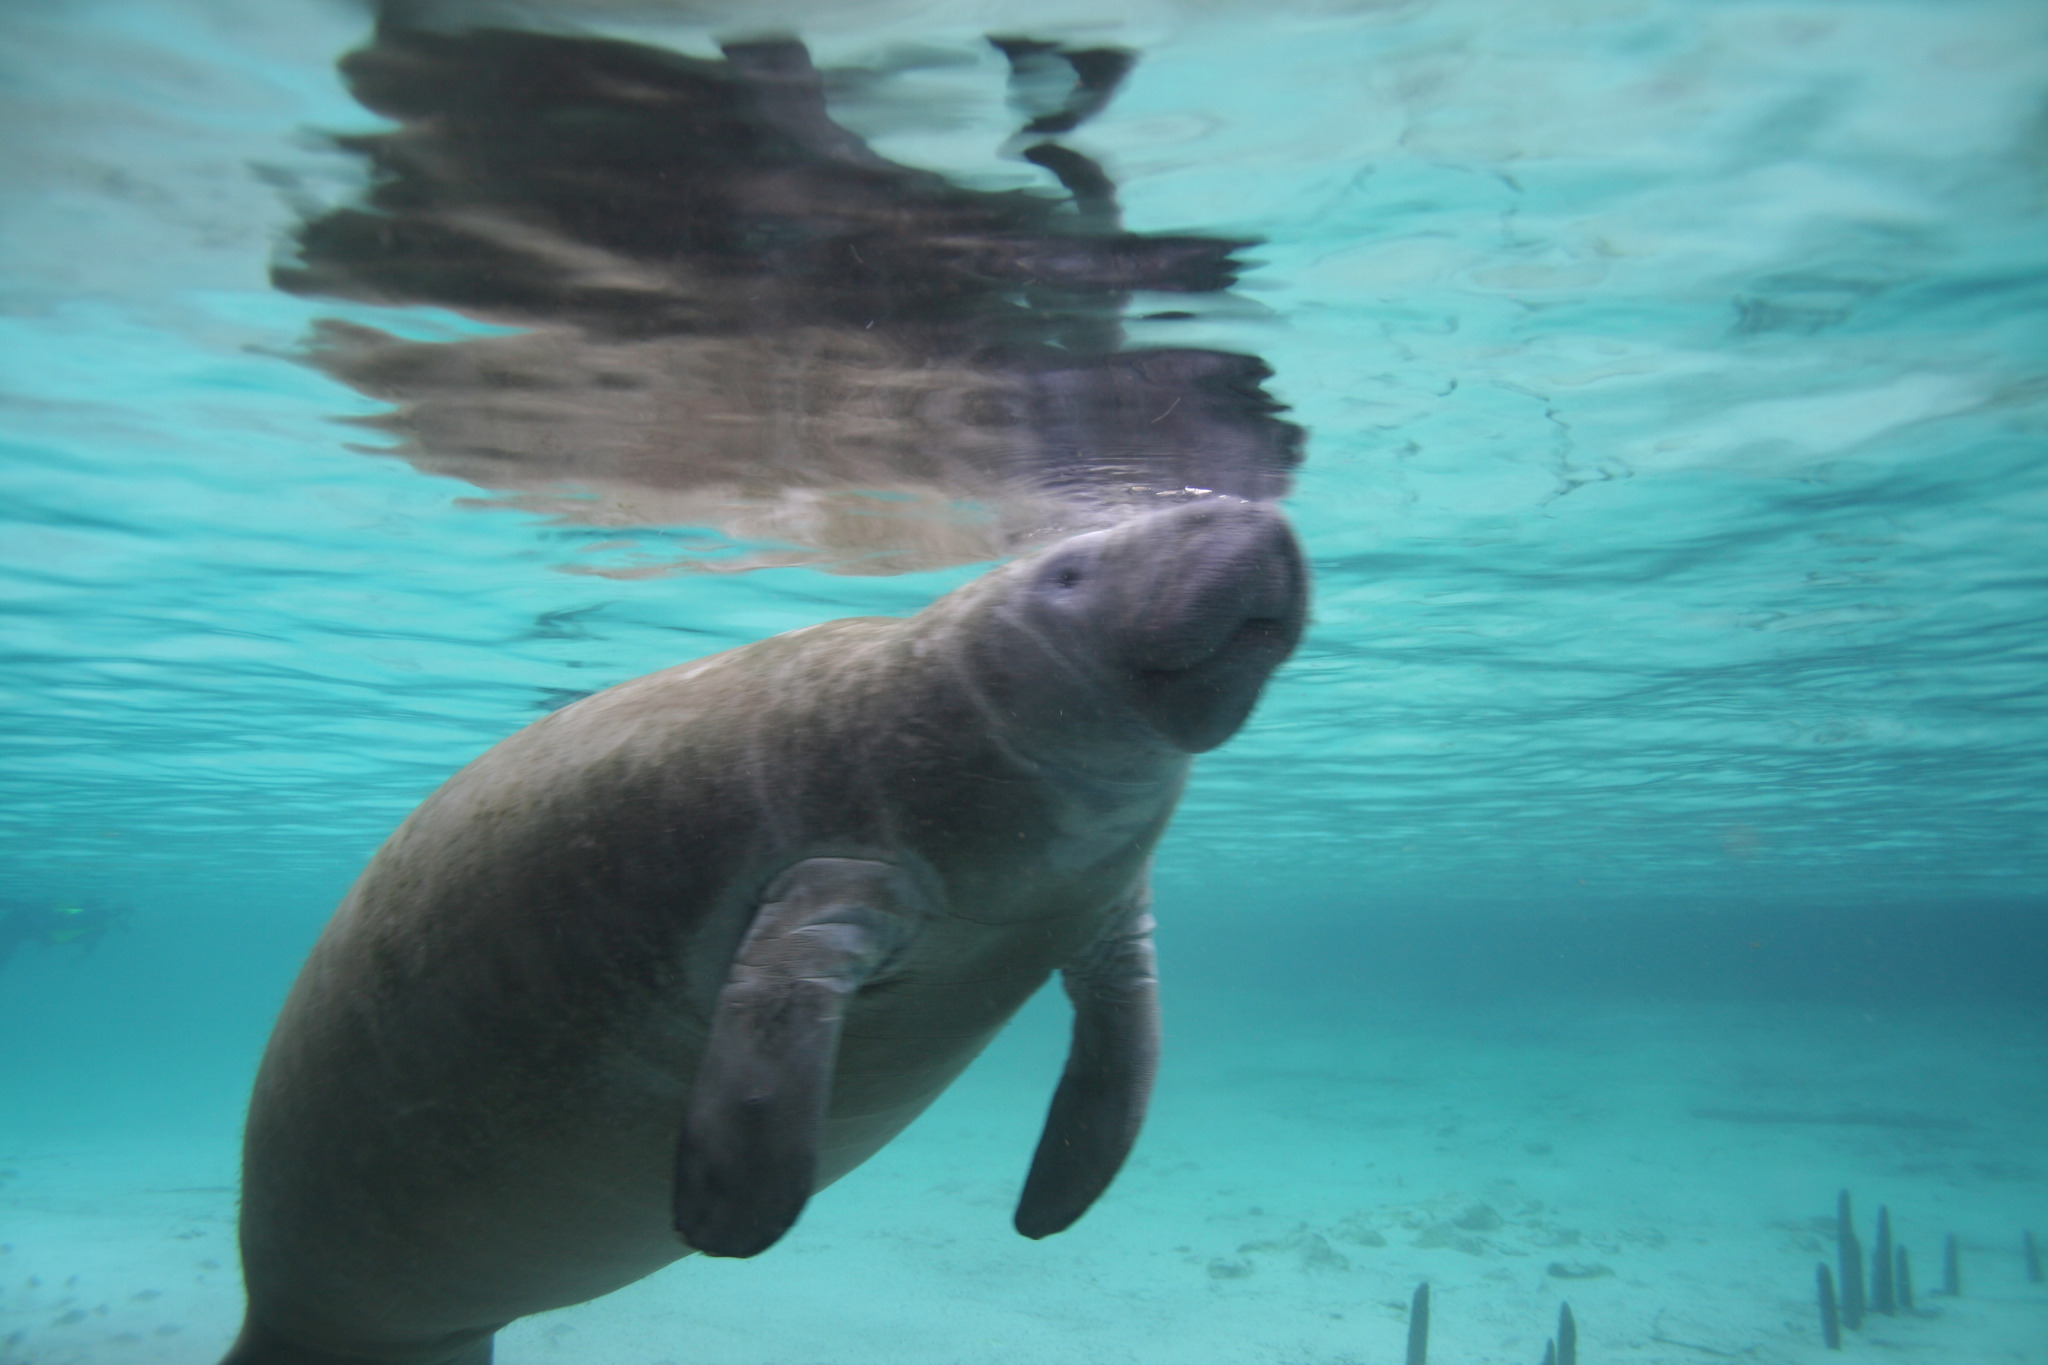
(1186, 612)
(1207, 578)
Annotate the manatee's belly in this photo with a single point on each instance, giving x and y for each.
(902, 1045)
(502, 1189)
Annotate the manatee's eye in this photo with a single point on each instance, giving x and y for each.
(1067, 579)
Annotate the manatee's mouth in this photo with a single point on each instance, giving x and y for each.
(1253, 636)
(1263, 636)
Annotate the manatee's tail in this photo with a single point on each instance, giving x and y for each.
(258, 1345)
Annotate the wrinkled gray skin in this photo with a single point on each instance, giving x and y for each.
(647, 974)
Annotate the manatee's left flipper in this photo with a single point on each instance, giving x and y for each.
(748, 1157)
(1101, 1101)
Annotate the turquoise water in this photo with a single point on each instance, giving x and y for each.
(1671, 737)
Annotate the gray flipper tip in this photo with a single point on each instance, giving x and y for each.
(1037, 1225)
(726, 1228)
(734, 1248)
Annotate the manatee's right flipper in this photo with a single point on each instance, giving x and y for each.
(1101, 1101)
(748, 1157)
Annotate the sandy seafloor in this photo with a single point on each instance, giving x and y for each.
(1308, 1162)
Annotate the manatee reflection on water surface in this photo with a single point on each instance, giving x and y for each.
(711, 305)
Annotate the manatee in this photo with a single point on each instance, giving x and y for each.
(649, 973)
